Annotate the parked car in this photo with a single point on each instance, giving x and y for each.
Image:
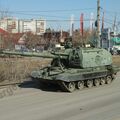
(115, 50)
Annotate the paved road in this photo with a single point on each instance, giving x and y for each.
(29, 103)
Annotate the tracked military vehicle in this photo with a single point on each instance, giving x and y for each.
(74, 68)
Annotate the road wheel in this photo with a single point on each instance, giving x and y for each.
(68, 86)
(89, 83)
(108, 79)
(102, 81)
(96, 82)
(80, 85)
(114, 76)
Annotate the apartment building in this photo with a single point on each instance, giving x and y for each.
(13, 25)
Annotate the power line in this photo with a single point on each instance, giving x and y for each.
(28, 14)
(110, 12)
(108, 22)
(38, 13)
(67, 20)
(62, 10)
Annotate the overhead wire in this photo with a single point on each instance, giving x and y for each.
(38, 13)
(65, 20)
(111, 13)
(62, 10)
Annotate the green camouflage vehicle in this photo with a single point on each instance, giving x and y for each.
(74, 68)
(78, 67)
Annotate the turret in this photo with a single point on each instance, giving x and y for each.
(72, 57)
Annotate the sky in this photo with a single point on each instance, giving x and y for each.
(57, 12)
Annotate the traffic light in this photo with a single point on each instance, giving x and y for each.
(96, 24)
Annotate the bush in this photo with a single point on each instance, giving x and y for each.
(17, 69)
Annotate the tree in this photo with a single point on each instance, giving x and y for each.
(87, 38)
(31, 40)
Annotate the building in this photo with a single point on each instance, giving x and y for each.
(13, 25)
(3, 35)
(58, 36)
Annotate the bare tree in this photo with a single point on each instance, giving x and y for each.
(88, 37)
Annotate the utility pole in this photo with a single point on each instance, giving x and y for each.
(103, 20)
(81, 24)
(82, 28)
(102, 30)
(114, 26)
(98, 22)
